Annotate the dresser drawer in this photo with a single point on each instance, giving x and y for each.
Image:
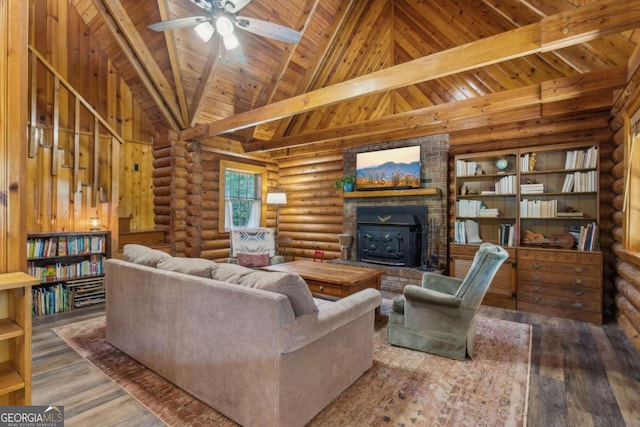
(558, 256)
(542, 277)
(574, 293)
(582, 303)
(579, 270)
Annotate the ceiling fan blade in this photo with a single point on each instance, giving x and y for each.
(233, 6)
(173, 24)
(268, 29)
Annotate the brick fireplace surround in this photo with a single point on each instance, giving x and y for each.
(434, 160)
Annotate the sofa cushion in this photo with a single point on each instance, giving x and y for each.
(291, 285)
(253, 260)
(140, 254)
(193, 266)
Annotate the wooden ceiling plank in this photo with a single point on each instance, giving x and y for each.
(577, 26)
(140, 58)
(169, 37)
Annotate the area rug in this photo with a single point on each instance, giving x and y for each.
(403, 388)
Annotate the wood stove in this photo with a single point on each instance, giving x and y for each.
(391, 235)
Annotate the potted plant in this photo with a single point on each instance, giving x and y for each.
(347, 183)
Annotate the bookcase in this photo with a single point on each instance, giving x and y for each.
(69, 267)
(15, 338)
(542, 204)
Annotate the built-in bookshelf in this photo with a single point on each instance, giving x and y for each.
(540, 197)
(70, 268)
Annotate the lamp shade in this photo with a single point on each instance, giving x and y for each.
(276, 198)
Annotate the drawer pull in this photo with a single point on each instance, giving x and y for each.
(537, 299)
(536, 277)
(579, 293)
(578, 282)
(536, 265)
(577, 305)
(321, 288)
(535, 288)
(579, 269)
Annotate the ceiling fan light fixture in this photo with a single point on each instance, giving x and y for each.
(205, 31)
(230, 42)
(224, 26)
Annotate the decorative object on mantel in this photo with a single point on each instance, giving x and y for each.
(345, 240)
(276, 199)
(347, 183)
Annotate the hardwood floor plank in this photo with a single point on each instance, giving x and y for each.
(619, 369)
(581, 375)
(547, 403)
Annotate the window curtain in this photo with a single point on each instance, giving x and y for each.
(228, 215)
(254, 215)
(253, 221)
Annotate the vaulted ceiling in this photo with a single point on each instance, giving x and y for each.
(370, 70)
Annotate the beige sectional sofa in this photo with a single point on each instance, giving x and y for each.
(254, 345)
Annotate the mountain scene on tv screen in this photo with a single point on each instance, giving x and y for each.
(389, 175)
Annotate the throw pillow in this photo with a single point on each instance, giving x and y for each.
(143, 255)
(193, 266)
(291, 285)
(253, 260)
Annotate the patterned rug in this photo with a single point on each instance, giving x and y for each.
(403, 387)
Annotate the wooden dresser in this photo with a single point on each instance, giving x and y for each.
(563, 283)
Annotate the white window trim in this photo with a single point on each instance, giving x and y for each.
(241, 167)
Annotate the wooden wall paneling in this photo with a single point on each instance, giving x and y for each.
(14, 18)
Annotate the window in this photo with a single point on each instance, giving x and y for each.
(632, 187)
(241, 189)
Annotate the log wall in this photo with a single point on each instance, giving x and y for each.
(625, 267)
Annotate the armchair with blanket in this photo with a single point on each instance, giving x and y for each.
(253, 247)
(439, 316)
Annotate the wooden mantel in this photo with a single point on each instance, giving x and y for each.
(392, 193)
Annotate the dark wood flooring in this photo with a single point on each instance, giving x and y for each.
(581, 375)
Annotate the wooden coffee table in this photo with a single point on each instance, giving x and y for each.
(332, 280)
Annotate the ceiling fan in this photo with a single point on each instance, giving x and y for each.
(221, 17)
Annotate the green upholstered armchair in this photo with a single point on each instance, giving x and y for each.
(439, 316)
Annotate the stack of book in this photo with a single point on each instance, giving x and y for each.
(532, 188)
(489, 212)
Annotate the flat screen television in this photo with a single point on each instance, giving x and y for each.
(394, 168)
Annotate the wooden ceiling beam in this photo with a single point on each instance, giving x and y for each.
(126, 35)
(507, 133)
(207, 74)
(568, 88)
(554, 32)
(172, 51)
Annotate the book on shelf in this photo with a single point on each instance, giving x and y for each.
(570, 214)
(467, 231)
(488, 212)
(532, 188)
(588, 237)
(582, 159)
(506, 234)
